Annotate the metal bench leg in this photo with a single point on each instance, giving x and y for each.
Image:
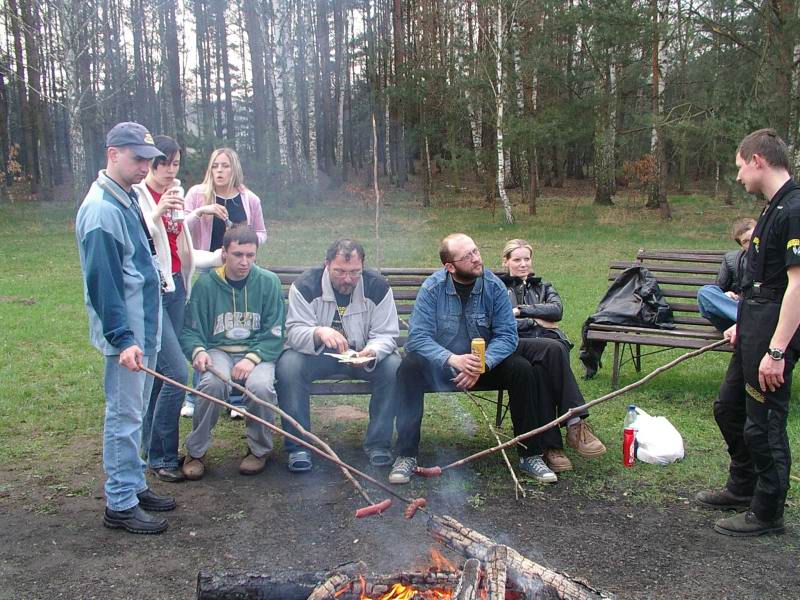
(498, 419)
(637, 358)
(615, 367)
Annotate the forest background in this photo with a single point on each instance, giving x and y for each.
(512, 94)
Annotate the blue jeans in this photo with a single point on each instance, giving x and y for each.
(125, 392)
(715, 306)
(295, 372)
(160, 428)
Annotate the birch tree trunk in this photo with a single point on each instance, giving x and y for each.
(73, 21)
(605, 131)
(340, 52)
(657, 197)
(499, 106)
(312, 164)
(281, 83)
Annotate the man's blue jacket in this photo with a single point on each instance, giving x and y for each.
(434, 328)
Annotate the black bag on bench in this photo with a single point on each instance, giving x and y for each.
(635, 299)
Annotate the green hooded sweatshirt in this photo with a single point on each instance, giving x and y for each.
(247, 321)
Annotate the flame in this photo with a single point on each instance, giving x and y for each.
(400, 591)
(440, 563)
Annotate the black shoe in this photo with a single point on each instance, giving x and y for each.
(747, 524)
(169, 475)
(722, 499)
(150, 501)
(134, 520)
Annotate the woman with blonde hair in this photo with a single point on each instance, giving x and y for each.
(221, 202)
(537, 307)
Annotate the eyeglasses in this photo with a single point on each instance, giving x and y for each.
(344, 273)
(474, 253)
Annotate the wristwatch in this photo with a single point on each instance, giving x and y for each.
(776, 353)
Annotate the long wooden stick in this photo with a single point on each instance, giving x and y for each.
(285, 434)
(579, 409)
(517, 487)
(288, 418)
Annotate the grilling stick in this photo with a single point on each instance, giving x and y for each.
(288, 418)
(374, 509)
(437, 470)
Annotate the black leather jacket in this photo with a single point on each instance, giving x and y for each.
(536, 299)
(732, 270)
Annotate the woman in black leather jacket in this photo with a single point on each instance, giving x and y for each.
(537, 305)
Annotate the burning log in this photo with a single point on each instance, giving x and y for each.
(534, 580)
(467, 588)
(337, 580)
(497, 573)
(302, 586)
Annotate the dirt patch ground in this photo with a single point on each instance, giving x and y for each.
(54, 545)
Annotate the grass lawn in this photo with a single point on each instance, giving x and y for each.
(51, 405)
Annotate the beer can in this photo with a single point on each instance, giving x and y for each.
(479, 350)
(178, 214)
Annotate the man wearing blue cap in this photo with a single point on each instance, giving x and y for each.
(122, 291)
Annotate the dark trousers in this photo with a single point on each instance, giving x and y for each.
(753, 422)
(561, 391)
(514, 374)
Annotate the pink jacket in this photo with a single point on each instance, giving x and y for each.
(200, 225)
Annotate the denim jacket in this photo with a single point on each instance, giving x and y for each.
(437, 314)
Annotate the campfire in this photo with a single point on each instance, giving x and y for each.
(491, 571)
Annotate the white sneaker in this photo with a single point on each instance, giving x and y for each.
(237, 415)
(403, 469)
(187, 410)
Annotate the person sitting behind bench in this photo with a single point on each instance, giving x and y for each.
(234, 322)
(335, 308)
(719, 303)
(456, 304)
(542, 343)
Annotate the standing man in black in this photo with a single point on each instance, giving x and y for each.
(753, 403)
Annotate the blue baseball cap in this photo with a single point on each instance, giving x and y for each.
(135, 136)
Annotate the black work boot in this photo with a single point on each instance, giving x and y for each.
(134, 520)
(747, 524)
(155, 503)
(722, 499)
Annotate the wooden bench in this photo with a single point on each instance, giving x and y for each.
(405, 284)
(680, 273)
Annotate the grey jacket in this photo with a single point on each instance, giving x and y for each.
(370, 320)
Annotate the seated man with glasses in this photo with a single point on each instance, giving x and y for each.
(456, 304)
(340, 308)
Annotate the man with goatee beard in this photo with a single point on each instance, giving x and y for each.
(456, 304)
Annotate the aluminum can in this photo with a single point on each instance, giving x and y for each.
(628, 446)
(479, 350)
(178, 214)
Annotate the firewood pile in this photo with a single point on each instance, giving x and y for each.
(491, 571)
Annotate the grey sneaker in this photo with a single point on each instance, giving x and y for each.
(403, 469)
(534, 466)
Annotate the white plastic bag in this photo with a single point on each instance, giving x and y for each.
(657, 440)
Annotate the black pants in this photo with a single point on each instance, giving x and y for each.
(753, 422)
(560, 387)
(514, 374)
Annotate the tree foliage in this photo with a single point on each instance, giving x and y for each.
(518, 93)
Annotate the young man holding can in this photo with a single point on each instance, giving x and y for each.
(455, 305)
